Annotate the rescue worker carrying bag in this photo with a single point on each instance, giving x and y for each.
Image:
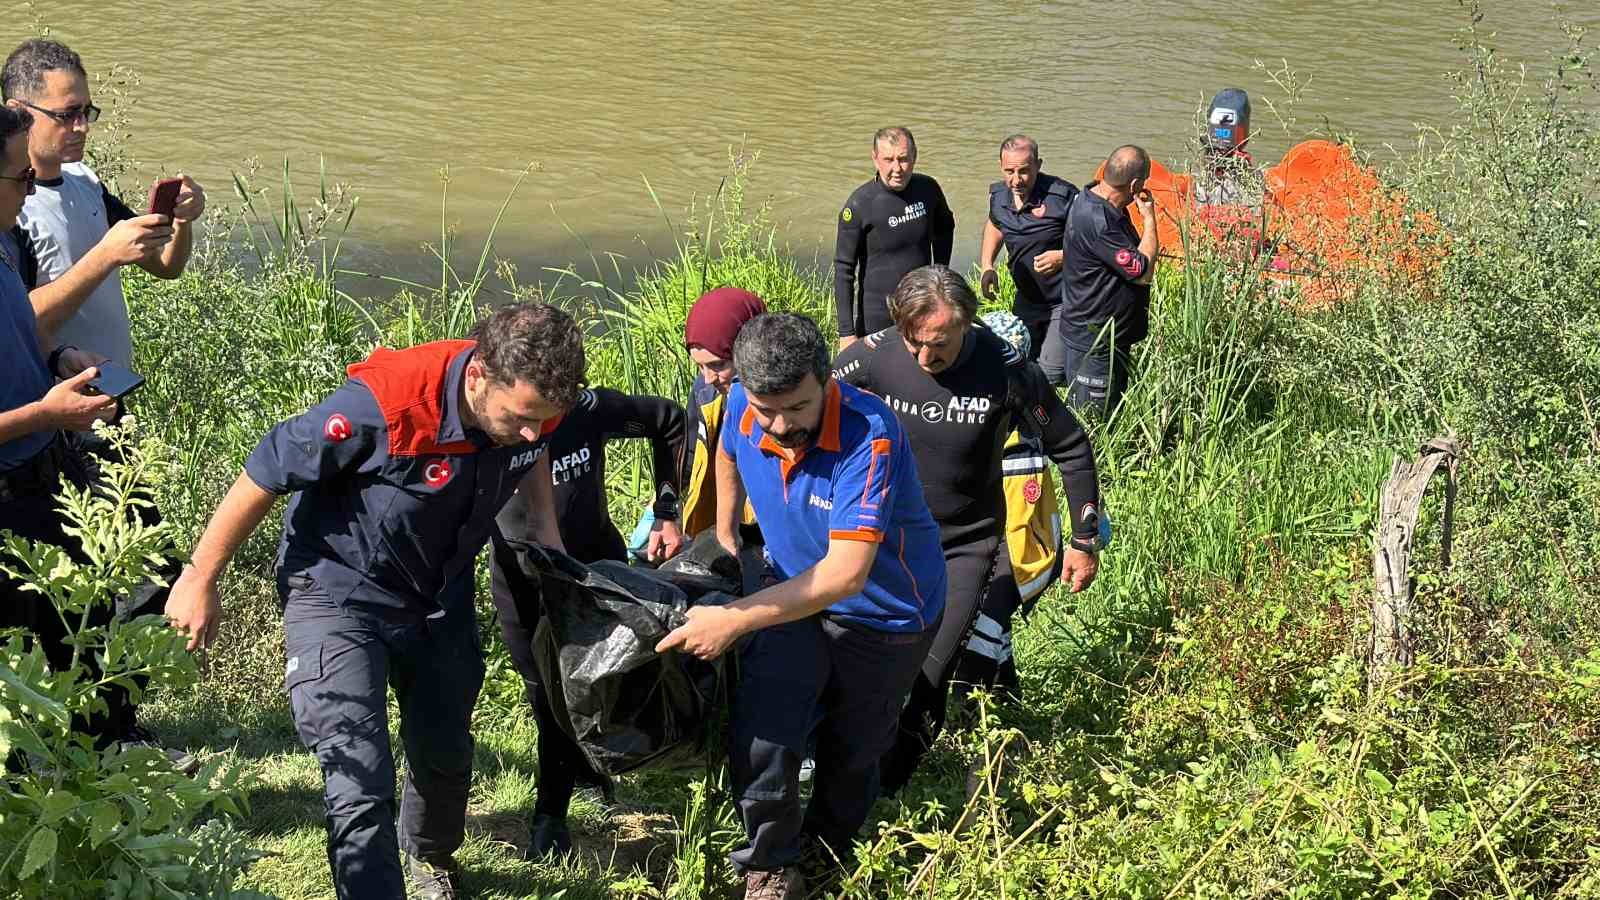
(623, 704)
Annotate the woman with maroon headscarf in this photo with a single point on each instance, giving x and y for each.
(714, 321)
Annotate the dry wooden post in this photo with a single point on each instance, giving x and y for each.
(1393, 588)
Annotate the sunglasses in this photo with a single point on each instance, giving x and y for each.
(27, 178)
(89, 113)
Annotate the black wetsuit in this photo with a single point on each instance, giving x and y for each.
(958, 421)
(578, 472)
(882, 236)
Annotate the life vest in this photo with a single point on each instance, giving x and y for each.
(1033, 517)
(699, 498)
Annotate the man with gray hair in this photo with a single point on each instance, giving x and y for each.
(892, 224)
(1028, 215)
(831, 648)
(960, 390)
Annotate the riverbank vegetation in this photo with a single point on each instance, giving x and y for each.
(1202, 722)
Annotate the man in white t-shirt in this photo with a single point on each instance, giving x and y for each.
(74, 236)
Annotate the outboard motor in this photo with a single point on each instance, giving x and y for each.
(1228, 122)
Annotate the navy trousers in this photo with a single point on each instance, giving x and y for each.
(341, 663)
(1095, 376)
(847, 683)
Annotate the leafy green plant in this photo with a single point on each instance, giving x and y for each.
(117, 822)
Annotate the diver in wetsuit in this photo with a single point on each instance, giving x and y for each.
(894, 223)
(577, 451)
(960, 391)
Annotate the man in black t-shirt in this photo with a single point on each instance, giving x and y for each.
(959, 391)
(1106, 278)
(894, 223)
(1028, 215)
(577, 452)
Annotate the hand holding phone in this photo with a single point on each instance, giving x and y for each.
(164, 196)
(71, 405)
(115, 381)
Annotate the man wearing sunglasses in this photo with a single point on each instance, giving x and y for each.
(74, 236)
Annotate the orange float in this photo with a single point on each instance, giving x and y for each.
(1325, 224)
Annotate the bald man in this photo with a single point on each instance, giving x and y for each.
(1106, 277)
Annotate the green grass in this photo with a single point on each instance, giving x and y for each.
(1200, 722)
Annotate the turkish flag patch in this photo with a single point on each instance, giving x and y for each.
(437, 473)
(337, 428)
(1131, 262)
(1031, 490)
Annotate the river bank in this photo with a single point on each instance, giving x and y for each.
(1202, 723)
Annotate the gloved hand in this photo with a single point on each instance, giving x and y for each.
(989, 284)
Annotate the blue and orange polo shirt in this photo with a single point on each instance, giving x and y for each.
(393, 495)
(857, 481)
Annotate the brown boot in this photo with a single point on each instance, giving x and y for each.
(779, 884)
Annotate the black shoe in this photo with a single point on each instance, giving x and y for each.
(548, 837)
(431, 881)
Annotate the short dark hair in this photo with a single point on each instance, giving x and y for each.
(894, 134)
(1125, 164)
(776, 351)
(533, 342)
(1021, 142)
(24, 70)
(13, 122)
(923, 290)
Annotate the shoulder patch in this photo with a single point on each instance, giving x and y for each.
(1013, 356)
(587, 400)
(846, 215)
(1130, 262)
(337, 428)
(876, 338)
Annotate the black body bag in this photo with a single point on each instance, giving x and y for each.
(623, 704)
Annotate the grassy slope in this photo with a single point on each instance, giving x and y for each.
(1199, 723)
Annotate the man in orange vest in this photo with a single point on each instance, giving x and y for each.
(396, 478)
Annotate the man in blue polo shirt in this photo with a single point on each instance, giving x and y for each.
(396, 479)
(835, 643)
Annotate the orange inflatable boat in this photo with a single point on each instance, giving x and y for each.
(1323, 223)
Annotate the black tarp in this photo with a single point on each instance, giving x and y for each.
(624, 705)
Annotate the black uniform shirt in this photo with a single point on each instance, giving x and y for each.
(882, 236)
(1102, 264)
(1034, 229)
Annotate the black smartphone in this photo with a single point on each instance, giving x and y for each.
(115, 381)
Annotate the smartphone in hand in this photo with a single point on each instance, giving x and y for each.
(115, 381)
(164, 196)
